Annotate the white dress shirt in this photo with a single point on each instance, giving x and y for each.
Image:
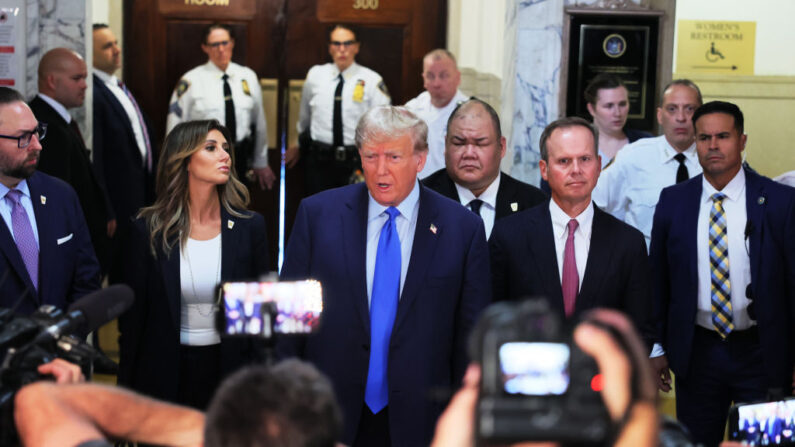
(739, 262)
(582, 236)
(25, 199)
(200, 96)
(787, 178)
(630, 187)
(57, 106)
(436, 119)
(199, 276)
(112, 83)
(317, 100)
(406, 224)
(488, 211)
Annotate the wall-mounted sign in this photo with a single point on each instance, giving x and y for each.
(11, 53)
(720, 47)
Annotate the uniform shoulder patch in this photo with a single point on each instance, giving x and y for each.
(246, 90)
(182, 87)
(382, 87)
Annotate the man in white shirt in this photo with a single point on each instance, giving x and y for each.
(229, 93)
(723, 267)
(473, 149)
(124, 153)
(629, 187)
(441, 79)
(567, 250)
(334, 97)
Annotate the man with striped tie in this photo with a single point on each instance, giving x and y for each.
(723, 262)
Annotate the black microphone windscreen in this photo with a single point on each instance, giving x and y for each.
(103, 305)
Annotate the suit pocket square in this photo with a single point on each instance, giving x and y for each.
(65, 239)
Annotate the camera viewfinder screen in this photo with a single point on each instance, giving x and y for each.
(534, 369)
(770, 423)
(298, 304)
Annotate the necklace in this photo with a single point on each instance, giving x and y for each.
(213, 306)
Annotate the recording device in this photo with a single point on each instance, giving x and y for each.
(47, 334)
(536, 384)
(763, 423)
(264, 309)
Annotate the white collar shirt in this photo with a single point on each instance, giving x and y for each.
(58, 107)
(488, 211)
(582, 236)
(436, 119)
(112, 83)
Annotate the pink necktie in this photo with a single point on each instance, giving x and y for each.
(571, 280)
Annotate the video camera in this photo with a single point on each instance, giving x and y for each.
(536, 384)
(49, 333)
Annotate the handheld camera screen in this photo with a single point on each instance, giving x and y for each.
(768, 423)
(248, 307)
(534, 369)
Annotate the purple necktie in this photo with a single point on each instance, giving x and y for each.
(23, 236)
(571, 280)
(143, 127)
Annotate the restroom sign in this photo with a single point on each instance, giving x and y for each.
(716, 47)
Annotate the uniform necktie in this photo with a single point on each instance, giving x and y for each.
(475, 206)
(229, 120)
(141, 122)
(76, 130)
(337, 118)
(383, 308)
(23, 236)
(571, 279)
(720, 287)
(681, 173)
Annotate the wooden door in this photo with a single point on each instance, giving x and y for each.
(281, 40)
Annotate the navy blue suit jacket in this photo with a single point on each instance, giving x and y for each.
(149, 339)
(446, 287)
(68, 268)
(770, 233)
(524, 264)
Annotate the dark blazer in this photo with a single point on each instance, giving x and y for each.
(149, 331)
(511, 191)
(68, 268)
(524, 264)
(446, 287)
(770, 208)
(64, 155)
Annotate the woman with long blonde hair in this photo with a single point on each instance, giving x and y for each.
(197, 234)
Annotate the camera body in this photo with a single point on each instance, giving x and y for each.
(536, 384)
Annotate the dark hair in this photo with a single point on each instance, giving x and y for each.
(214, 26)
(97, 26)
(563, 123)
(462, 106)
(345, 27)
(9, 95)
(684, 83)
(601, 82)
(288, 405)
(721, 107)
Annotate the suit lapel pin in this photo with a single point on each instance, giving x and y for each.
(514, 206)
(433, 229)
(761, 200)
(43, 200)
(230, 224)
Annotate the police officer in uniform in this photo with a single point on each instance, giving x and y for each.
(334, 97)
(229, 93)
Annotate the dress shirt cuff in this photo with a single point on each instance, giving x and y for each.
(657, 351)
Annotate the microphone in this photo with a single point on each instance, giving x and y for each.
(90, 312)
(749, 228)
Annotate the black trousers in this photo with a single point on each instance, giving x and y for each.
(373, 429)
(199, 375)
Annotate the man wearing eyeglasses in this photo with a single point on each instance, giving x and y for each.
(62, 85)
(47, 256)
(229, 93)
(334, 97)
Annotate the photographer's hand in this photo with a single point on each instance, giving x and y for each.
(661, 373)
(63, 371)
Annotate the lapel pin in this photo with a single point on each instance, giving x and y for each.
(230, 224)
(761, 200)
(514, 206)
(433, 229)
(43, 200)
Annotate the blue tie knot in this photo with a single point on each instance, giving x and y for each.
(718, 197)
(392, 212)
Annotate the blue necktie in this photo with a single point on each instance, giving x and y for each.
(383, 307)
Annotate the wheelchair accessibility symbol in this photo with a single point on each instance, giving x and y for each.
(714, 55)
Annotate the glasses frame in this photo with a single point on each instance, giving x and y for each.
(40, 131)
(346, 44)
